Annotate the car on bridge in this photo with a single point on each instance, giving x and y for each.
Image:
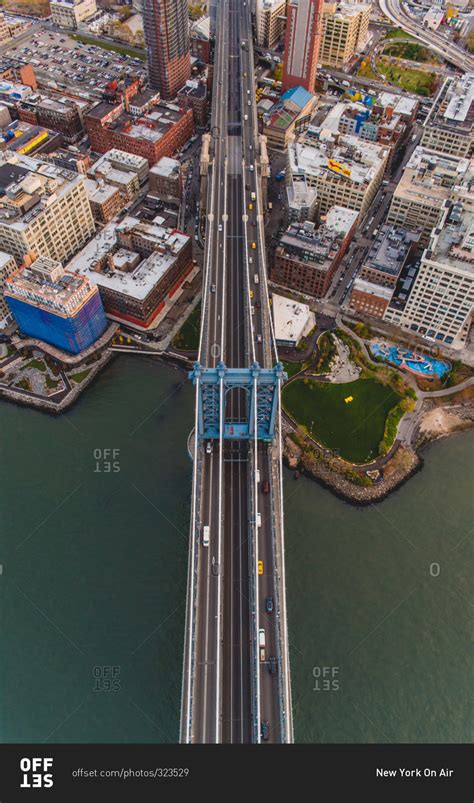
(265, 730)
(269, 604)
(260, 567)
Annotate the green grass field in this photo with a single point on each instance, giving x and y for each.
(396, 33)
(292, 368)
(410, 51)
(416, 81)
(187, 338)
(354, 428)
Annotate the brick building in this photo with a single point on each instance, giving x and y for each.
(166, 179)
(193, 96)
(307, 258)
(162, 132)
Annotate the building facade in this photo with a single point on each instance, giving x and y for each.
(56, 306)
(7, 268)
(165, 24)
(429, 179)
(307, 257)
(302, 42)
(344, 32)
(270, 22)
(5, 34)
(441, 302)
(70, 13)
(44, 209)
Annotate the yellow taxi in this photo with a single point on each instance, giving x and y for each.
(254, 245)
(260, 567)
(250, 206)
(251, 294)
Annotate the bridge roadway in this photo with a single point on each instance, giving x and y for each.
(227, 690)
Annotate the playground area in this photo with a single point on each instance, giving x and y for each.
(411, 361)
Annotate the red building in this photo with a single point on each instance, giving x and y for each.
(302, 39)
(160, 133)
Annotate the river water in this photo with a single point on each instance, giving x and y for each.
(95, 510)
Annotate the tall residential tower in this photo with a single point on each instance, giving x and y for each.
(302, 39)
(165, 24)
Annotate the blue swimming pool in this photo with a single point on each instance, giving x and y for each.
(410, 361)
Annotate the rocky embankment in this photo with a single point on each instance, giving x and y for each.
(355, 484)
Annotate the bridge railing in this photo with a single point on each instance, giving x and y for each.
(191, 605)
(274, 528)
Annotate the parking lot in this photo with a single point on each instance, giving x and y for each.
(61, 63)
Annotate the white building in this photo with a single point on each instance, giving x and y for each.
(292, 320)
(70, 13)
(441, 303)
(344, 170)
(44, 209)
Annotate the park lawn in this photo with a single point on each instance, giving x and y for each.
(356, 428)
(38, 364)
(79, 377)
(410, 51)
(396, 33)
(187, 339)
(417, 81)
(292, 368)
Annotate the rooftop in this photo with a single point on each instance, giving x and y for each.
(434, 176)
(452, 243)
(390, 249)
(166, 167)
(138, 282)
(372, 289)
(46, 281)
(348, 160)
(29, 186)
(453, 108)
(193, 89)
(318, 245)
(290, 318)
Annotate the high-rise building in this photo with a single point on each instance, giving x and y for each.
(441, 302)
(166, 29)
(270, 22)
(345, 30)
(302, 40)
(44, 209)
(56, 306)
(429, 179)
(449, 127)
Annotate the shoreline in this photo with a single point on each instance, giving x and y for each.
(45, 405)
(313, 461)
(330, 471)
